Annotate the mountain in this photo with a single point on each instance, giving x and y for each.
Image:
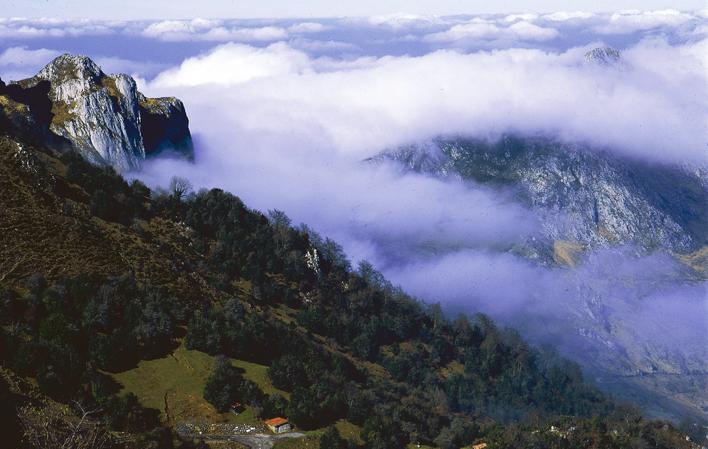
(102, 116)
(594, 198)
(591, 201)
(603, 56)
(139, 319)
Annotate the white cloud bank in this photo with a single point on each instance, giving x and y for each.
(654, 106)
(20, 62)
(285, 130)
(22, 57)
(485, 30)
(625, 22)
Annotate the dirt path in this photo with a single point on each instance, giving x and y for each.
(257, 441)
(248, 435)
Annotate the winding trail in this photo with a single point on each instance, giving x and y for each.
(256, 441)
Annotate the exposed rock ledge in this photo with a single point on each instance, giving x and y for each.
(104, 117)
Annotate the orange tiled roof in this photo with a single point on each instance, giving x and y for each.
(275, 422)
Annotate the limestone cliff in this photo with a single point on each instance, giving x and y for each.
(104, 117)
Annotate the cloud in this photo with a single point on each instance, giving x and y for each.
(483, 30)
(318, 46)
(22, 57)
(226, 30)
(631, 21)
(653, 108)
(564, 16)
(211, 30)
(235, 63)
(288, 131)
(20, 62)
(527, 17)
(400, 21)
(378, 212)
(308, 27)
(613, 303)
(18, 28)
(137, 69)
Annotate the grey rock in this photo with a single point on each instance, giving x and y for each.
(592, 197)
(165, 126)
(604, 56)
(618, 207)
(105, 117)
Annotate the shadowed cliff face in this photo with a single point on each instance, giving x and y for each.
(165, 126)
(104, 117)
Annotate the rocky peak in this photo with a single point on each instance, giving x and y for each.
(603, 56)
(71, 67)
(104, 117)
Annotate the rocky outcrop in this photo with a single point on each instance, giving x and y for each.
(603, 56)
(592, 203)
(104, 117)
(591, 197)
(25, 113)
(164, 126)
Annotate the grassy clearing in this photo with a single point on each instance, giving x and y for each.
(308, 442)
(349, 431)
(174, 385)
(258, 374)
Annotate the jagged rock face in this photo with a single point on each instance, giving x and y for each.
(102, 115)
(164, 126)
(594, 197)
(603, 56)
(26, 113)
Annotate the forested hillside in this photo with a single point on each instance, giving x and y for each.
(100, 277)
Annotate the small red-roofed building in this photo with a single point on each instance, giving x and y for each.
(278, 425)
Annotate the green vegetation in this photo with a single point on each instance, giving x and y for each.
(176, 381)
(175, 304)
(298, 443)
(61, 113)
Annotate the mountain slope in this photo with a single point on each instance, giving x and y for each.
(598, 209)
(101, 280)
(592, 197)
(344, 344)
(102, 116)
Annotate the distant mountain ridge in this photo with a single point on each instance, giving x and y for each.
(102, 116)
(590, 199)
(604, 199)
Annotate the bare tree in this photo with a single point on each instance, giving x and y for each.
(53, 428)
(180, 187)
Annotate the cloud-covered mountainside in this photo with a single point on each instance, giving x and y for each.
(587, 231)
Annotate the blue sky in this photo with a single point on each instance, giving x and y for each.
(151, 9)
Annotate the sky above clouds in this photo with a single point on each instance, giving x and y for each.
(187, 9)
(283, 112)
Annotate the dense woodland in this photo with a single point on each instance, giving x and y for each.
(358, 347)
